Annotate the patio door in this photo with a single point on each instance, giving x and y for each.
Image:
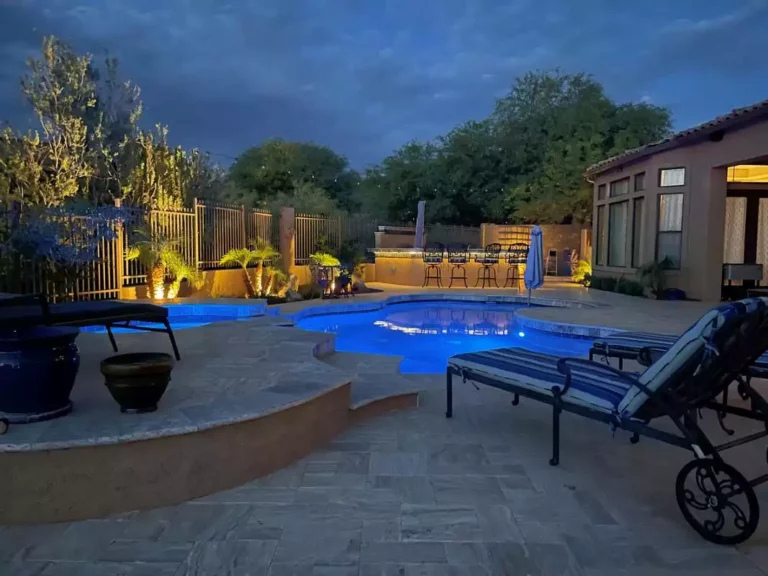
(746, 230)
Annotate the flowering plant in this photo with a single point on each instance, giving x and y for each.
(60, 242)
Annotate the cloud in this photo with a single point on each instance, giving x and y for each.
(367, 77)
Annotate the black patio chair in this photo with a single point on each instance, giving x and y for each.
(714, 498)
(458, 257)
(433, 264)
(25, 311)
(517, 255)
(488, 262)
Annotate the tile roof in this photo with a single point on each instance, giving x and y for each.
(738, 116)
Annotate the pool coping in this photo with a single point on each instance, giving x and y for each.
(371, 306)
(549, 326)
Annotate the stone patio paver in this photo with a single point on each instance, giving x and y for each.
(473, 495)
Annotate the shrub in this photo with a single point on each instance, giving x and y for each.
(619, 285)
(653, 275)
(581, 270)
(311, 291)
(630, 287)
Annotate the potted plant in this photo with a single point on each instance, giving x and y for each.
(52, 247)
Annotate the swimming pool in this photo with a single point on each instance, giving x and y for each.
(427, 333)
(184, 316)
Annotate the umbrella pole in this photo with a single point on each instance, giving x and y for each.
(529, 296)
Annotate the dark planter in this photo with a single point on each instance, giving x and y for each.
(38, 366)
(137, 381)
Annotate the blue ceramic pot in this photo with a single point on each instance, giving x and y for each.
(38, 366)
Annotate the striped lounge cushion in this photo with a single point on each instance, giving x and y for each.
(590, 386)
(666, 368)
(633, 342)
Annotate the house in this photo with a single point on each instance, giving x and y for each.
(698, 197)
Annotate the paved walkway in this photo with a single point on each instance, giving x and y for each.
(413, 493)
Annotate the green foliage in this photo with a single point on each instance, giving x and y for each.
(243, 257)
(154, 250)
(324, 259)
(306, 198)
(352, 254)
(159, 255)
(630, 287)
(582, 270)
(293, 170)
(311, 291)
(653, 275)
(525, 163)
(89, 145)
(620, 285)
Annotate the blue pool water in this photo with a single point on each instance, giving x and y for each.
(184, 316)
(426, 334)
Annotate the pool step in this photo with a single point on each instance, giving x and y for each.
(374, 377)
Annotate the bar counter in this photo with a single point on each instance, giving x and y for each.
(405, 267)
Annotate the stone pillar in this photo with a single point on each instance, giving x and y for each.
(287, 228)
(485, 234)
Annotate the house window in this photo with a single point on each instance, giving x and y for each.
(620, 187)
(601, 236)
(617, 233)
(672, 177)
(640, 182)
(601, 192)
(670, 229)
(637, 231)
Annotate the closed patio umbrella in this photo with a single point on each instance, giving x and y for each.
(534, 266)
(418, 241)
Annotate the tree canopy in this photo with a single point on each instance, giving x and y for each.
(525, 163)
(277, 169)
(89, 145)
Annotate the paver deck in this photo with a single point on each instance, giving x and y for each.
(413, 493)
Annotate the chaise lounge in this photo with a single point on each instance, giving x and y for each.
(689, 376)
(641, 346)
(25, 311)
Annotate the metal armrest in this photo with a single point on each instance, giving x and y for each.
(647, 355)
(563, 368)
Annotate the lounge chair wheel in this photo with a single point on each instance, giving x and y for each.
(717, 501)
(635, 438)
(3, 426)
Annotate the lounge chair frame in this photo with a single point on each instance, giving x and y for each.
(718, 482)
(109, 322)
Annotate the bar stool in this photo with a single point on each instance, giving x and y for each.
(458, 256)
(488, 261)
(517, 254)
(433, 260)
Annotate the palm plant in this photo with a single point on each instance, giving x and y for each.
(157, 253)
(242, 257)
(263, 251)
(275, 277)
(181, 271)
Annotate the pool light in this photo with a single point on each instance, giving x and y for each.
(521, 334)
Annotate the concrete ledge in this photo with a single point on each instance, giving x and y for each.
(95, 481)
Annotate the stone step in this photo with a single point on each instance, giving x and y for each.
(374, 377)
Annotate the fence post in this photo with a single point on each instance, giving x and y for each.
(287, 238)
(119, 254)
(244, 235)
(196, 236)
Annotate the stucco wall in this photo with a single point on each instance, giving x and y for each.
(704, 195)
